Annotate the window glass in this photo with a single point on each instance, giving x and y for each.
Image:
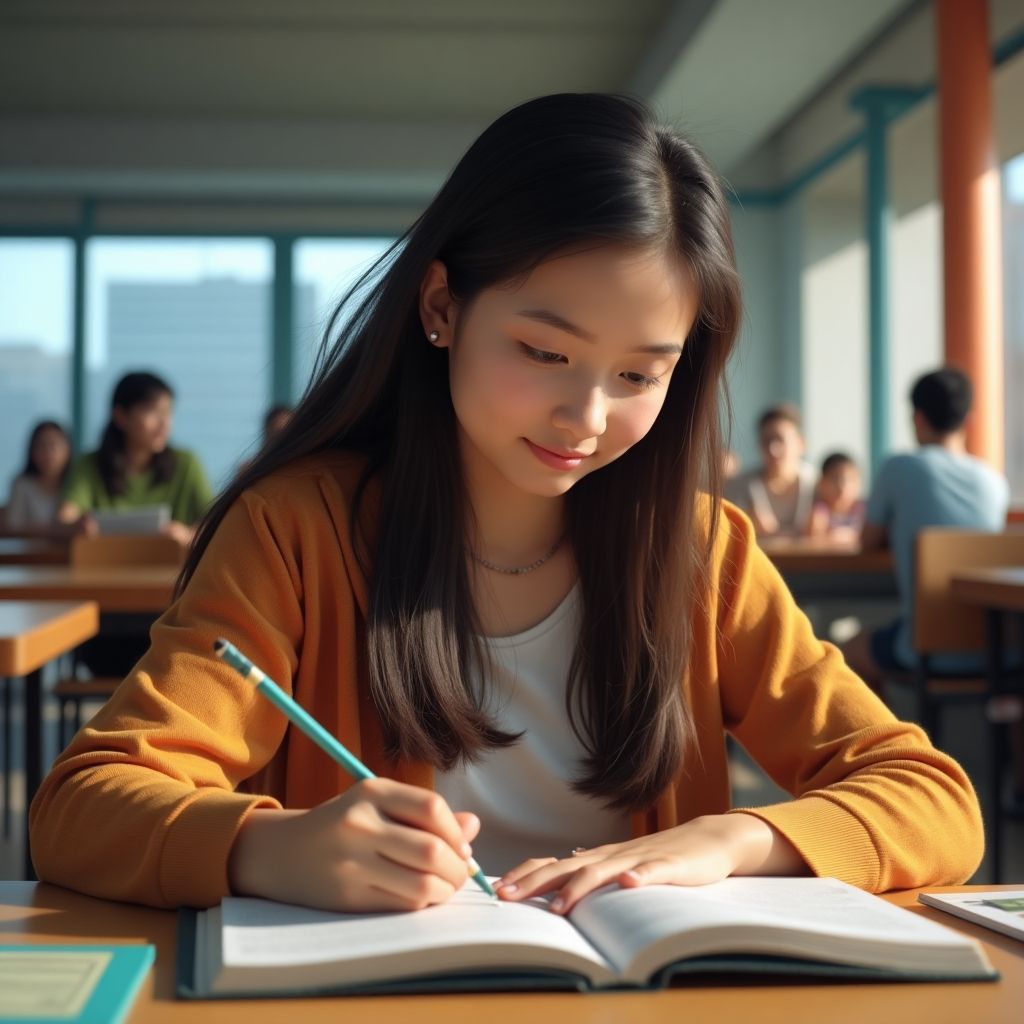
(36, 304)
(195, 312)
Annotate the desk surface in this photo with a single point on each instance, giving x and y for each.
(34, 912)
(34, 632)
(136, 589)
(821, 556)
(993, 588)
(32, 551)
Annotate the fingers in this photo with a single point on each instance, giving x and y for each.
(418, 808)
(412, 890)
(570, 879)
(469, 823)
(421, 851)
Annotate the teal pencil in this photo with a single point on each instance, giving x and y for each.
(228, 652)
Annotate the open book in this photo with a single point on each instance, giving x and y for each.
(613, 938)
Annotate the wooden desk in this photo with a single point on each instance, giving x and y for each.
(34, 912)
(136, 589)
(991, 588)
(31, 634)
(1000, 591)
(32, 551)
(816, 569)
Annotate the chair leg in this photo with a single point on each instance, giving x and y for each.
(8, 759)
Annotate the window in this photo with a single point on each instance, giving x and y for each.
(197, 313)
(324, 270)
(1013, 331)
(36, 303)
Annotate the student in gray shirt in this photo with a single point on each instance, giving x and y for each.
(938, 485)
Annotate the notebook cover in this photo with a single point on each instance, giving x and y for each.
(695, 969)
(114, 993)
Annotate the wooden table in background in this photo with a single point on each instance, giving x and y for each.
(32, 551)
(1000, 591)
(33, 633)
(136, 589)
(992, 588)
(816, 569)
(39, 913)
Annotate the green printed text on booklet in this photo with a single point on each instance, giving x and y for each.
(615, 938)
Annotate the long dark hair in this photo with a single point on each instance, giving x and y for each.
(557, 173)
(31, 469)
(132, 389)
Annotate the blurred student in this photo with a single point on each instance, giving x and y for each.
(135, 465)
(35, 492)
(838, 511)
(778, 494)
(938, 485)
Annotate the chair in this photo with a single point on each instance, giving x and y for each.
(104, 552)
(943, 622)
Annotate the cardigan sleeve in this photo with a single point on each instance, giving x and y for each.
(876, 804)
(142, 805)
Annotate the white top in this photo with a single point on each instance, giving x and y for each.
(521, 793)
(792, 511)
(29, 504)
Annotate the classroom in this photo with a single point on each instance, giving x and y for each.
(592, 425)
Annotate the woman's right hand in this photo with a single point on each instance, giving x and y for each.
(381, 845)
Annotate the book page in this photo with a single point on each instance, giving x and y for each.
(761, 915)
(265, 944)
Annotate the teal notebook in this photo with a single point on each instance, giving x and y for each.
(614, 939)
(43, 984)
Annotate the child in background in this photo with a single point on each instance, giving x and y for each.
(487, 553)
(778, 494)
(135, 465)
(35, 492)
(838, 511)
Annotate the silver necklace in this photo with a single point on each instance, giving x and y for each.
(519, 570)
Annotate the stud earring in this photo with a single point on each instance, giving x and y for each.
(433, 336)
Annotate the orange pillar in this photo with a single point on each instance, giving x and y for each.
(972, 257)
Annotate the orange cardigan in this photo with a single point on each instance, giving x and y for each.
(146, 801)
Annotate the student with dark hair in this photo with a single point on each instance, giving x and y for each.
(838, 511)
(938, 485)
(135, 464)
(488, 554)
(32, 505)
(778, 494)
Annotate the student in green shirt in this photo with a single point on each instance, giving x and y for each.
(135, 466)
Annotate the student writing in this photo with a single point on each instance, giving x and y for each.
(135, 464)
(481, 555)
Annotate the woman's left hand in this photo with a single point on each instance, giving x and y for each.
(704, 850)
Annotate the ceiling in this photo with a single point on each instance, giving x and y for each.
(380, 96)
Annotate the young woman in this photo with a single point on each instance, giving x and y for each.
(480, 555)
(135, 465)
(32, 505)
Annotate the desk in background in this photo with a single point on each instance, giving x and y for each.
(1000, 592)
(34, 912)
(816, 569)
(32, 551)
(117, 589)
(32, 634)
